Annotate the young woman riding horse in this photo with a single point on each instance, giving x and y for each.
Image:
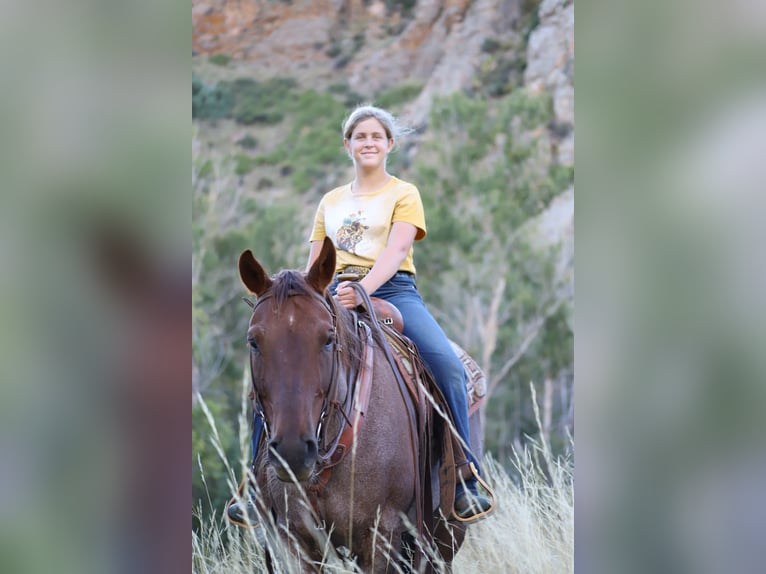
(373, 222)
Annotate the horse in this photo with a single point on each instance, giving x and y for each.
(306, 354)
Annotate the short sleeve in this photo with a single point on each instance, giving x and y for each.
(318, 232)
(409, 208)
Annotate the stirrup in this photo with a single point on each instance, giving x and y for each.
(480, 515)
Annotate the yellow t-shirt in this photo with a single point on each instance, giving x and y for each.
(359, 224)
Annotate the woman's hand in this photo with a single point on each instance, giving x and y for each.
(347, 295)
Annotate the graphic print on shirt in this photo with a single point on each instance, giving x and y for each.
(350, 233)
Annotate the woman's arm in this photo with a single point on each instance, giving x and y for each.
(400, 240)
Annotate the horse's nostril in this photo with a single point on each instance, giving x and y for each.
(311, 447)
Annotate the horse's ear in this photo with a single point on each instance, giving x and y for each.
(322, 271)
(252, 274)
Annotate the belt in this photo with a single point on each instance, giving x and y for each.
(360, 271)
(356, 270)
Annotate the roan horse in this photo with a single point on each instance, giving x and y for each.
(306, 354)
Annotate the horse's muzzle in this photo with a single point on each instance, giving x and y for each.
(293, 457)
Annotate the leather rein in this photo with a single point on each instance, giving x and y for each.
(350, 411)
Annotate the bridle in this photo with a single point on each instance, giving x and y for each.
(352, 412)
(330, 402)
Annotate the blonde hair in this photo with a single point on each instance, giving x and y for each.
(366, 111)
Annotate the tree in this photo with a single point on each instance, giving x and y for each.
(485, 173)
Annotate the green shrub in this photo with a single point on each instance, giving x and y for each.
(265, 183)
(220, 59)
(249, 110)
(350, 97)
(396, 28)
(247, 142)
(399, 95)
(314, 143)
(533, 110)
(210, 102)
(243, 164)
(562, 176)
(342, 61)
(500, 76)
(205, 169)
(340, 88)
(404, 7)
(335, 49)
(530, 17)
(353, 99)
(261, 102)
(213, 495)
(274, 158)
(358, 41)
(490, 45)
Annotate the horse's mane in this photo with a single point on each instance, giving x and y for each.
(291, 282)
(287, 283)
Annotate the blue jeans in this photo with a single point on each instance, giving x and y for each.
(434, 348)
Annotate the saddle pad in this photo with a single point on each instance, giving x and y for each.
(476, 380)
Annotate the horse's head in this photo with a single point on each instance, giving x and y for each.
(292, 338)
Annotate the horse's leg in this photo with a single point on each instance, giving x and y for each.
(384, 557)
(382, 548)
(296, 555)
(310, 560)
(269, 561)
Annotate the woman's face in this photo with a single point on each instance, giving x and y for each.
(369, 145)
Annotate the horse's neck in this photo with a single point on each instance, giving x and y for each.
(346, 382)
(341, 399)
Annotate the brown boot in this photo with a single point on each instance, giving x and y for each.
(243, 512)
(472, 505)
(241, 509)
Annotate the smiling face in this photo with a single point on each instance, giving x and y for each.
(369, 145)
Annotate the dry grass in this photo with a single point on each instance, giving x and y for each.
(531, 531)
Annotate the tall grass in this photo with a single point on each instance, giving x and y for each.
(530, 532)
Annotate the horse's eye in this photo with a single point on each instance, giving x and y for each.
(328, 344)
(253, 345)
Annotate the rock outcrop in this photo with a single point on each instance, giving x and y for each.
(550, 66)
(438, 43)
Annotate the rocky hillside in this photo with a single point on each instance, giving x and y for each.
(485, 47)
(447, 45)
